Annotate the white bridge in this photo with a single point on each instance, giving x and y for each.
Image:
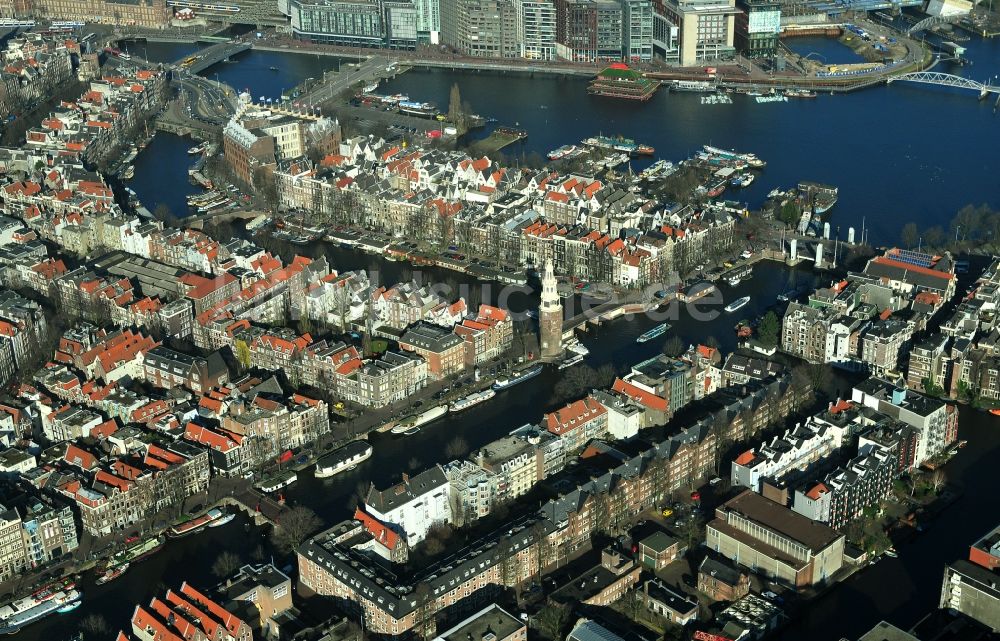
(933, 21)
(946, 80)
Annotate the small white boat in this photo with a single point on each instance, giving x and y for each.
(737, 304)
(222, 521)
(571, 361)
(578, 348)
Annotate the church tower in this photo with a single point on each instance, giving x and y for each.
(550, 316)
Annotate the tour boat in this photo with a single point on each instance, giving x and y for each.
(343, 458)
(737, 304)
(22, 612)
(657, 331)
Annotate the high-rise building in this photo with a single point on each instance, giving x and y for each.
(757, 28)
(536, 29)
(480, 28)
(428, 20)
(356, 23)
(638, 30)
(589, 30)
(550, 316)
(707, 28)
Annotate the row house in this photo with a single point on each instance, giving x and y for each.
(797, 450)
(578, 423)
(269, 425)
(23, 330)
(113, 497)
(843, 495)
(168, 369)
(35, 529)
(188, 614)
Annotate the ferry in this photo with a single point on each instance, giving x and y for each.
(656, 332)
(561, 152)
(737, 304)
(520, 377)
(22, 612)
(343, 458)
(112, 573)
(195, 524)
(576, 359)
(220, 522)
(418, 420)
(471, 400)
(277, 481)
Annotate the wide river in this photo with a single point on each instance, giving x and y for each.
(898, 153)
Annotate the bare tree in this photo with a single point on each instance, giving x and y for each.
(456, 447)
(225, 564)
(295, 526)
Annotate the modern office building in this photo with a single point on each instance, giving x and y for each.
(638, 30)
(480, 28)
(536, 29)
(706, 27)
(356, 23)
(589, 30)
(757, 28)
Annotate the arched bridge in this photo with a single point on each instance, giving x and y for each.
(946, 80)
(932, 21)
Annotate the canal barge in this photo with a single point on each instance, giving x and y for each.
(411, 423)
(520, 377)
(277, 481)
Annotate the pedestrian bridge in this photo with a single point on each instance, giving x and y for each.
(933, 21)
(946, 80)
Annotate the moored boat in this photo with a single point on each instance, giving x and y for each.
(139, 551)
(277, 481)
(576, 359)
(471, 400)
(195, 524)
(561, 152)
(520, 377)
(419, 420)
(112, 573)
(343, 458)
(222, 521)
